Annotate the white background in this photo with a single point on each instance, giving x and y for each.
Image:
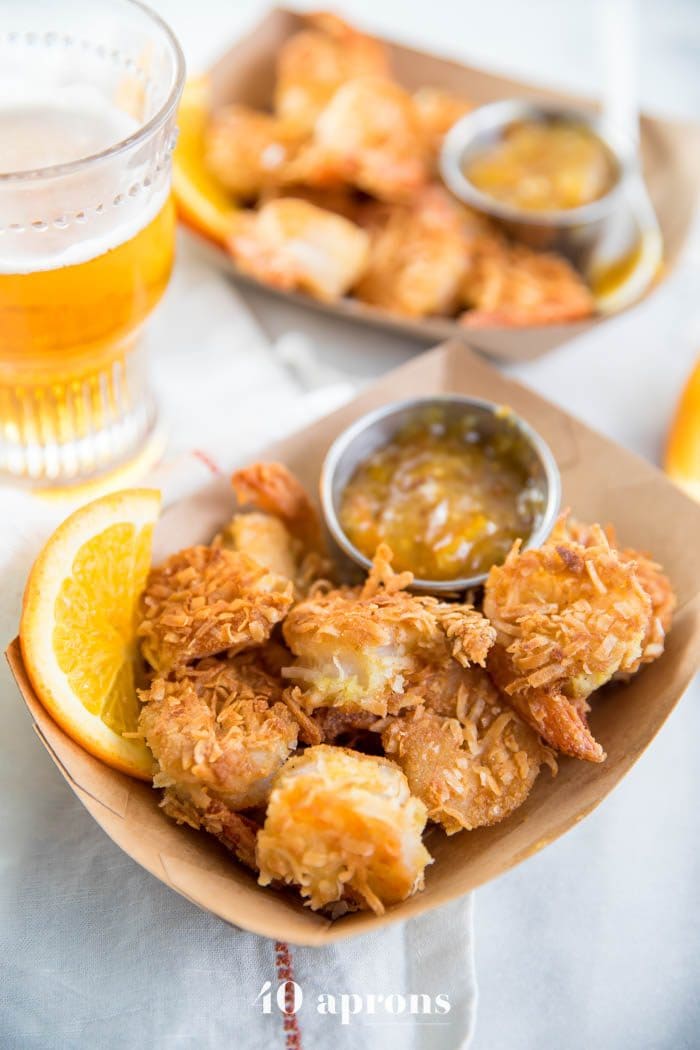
(596, 941)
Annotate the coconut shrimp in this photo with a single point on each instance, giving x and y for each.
(276, 524)
(649, 573)
(343, 827)
(367, 136)
(417, 257)
(510, 284)
(314, 63)
(208, 600)
(246, 149)
(437, 111)
(466, 754)
(219, 732)
(356, 647)
(292, 244)
(568, 618)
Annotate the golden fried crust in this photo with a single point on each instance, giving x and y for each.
(236, 831)
(246, 149)
(558, 719)
(510, 284)
(649, 573)
(368, 136)
(207, 600)
(356, 647)
(218, 731)
(313, 63)
(568, 618)
(294, 245)
(437, 111)
(340, 824)
(472, 761)
(417, 258)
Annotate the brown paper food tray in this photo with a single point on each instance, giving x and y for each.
(670, 153)
(601, 482)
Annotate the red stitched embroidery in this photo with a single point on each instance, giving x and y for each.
(285, 972)
(208, 462)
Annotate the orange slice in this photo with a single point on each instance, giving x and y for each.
(78, 626)
(201, 200)
(682, 462)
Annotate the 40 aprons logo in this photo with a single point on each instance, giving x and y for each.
(288, 998)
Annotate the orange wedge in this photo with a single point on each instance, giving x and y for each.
(682, 461)
(78, 626)
(201, 200)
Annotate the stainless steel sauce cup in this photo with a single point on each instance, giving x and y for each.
(375, 429)
(575, 232)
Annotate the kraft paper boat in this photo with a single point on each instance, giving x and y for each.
(601, 482)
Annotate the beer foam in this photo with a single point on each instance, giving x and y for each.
(69, 220)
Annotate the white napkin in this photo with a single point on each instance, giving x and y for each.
(96, 952)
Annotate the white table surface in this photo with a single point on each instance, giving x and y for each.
(596, 941)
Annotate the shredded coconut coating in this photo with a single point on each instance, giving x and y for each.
(514, 285)
(207, 600)
(568, 618)
(219, 731)
(356, 647)
(650, 575)
(312, 64)
(466, 754)
(234, 830)
(343, 826)
(417, 257)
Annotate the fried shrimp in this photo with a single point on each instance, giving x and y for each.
(356, 647)
(466, 754)
(568, 618)
(277, 525)
(246, 149)
(649, 573)
(417, 258)
(342, 826)
(272, 488)
(292, 244)
(205, 600)
(313, 63)
(437, 111)
(219, 732)
(510, 284)
(368, 136)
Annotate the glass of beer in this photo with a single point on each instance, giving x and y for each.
(88, 100)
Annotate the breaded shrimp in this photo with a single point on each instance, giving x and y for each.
(437, 111)
(313, 63)
(292, 244)
(219, 732)
(568, 618)
(417, 257)
(205, 600)
(272, 488)
(245, 149)
(466, 753)
(368, 136)
(236, 831)
(357, 646)
(342, 826)
(277, 525)
(648, 572)
(510, 284)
